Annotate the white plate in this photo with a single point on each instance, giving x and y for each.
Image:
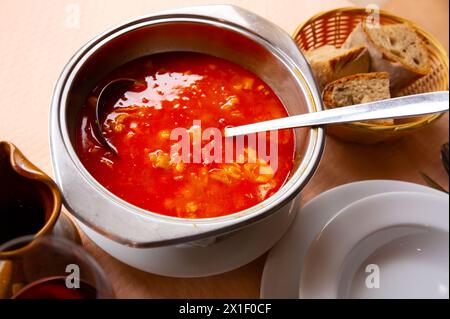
(391, 245)
(283, 266)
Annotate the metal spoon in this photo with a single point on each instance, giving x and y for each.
(115, 88)
(445, 162)
(432, 183)
(445, 156)
(405, 106)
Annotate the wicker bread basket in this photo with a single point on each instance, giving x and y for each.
(333, 27)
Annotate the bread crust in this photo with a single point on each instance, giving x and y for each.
(351, 61)
(327, 94)
(382, 60)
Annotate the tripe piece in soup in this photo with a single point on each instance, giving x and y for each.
(189, 175)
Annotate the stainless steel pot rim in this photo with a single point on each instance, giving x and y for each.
(289, 190)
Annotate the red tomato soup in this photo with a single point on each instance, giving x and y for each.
(172, 91)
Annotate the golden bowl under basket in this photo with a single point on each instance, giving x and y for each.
(333, 27)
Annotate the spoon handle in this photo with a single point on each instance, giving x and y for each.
(405, 106)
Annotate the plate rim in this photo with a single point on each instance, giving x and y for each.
(365, 228)
(266, 289)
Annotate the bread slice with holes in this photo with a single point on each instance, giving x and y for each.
(394, 48)
(329, 63)
(356, 89)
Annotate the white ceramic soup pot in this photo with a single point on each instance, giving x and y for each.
(133, 234)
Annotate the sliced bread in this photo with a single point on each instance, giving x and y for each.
(356, 89)
(394, 48)
(329, 63)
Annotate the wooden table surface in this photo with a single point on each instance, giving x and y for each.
(38, 37)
